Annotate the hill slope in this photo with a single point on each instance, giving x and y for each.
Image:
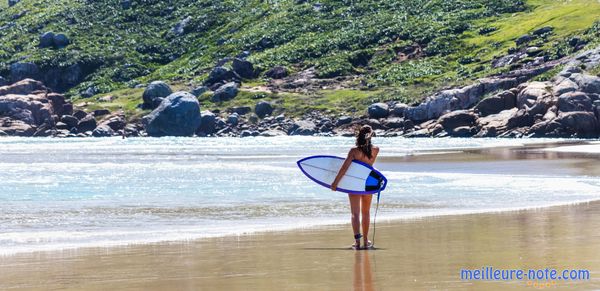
(374, 50)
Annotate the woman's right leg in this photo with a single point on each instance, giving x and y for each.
(355, 210)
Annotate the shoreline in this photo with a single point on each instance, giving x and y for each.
(282, 230)
(558, 236)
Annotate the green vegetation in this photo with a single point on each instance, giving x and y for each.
(399, 50)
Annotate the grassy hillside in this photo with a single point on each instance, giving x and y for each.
(398, 50)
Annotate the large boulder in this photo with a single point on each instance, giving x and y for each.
(225, 92)
(47, 39)
(378, 110)
(579, 124)
(156, 89)
(13, 2)
(574, 101)
(69, 121)
(60, 40)
(243, 68)
(177, 115)
(20, 71)
(263, 108)
(456, 119)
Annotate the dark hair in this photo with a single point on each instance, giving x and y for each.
(363, 140)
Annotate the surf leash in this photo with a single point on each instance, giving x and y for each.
(375, 218)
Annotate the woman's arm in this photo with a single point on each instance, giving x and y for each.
(343, 170)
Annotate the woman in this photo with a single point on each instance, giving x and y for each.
(360, 204)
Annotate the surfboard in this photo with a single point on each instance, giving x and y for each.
(360, 178)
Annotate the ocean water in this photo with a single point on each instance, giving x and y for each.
(69, 193)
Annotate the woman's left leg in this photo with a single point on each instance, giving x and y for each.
(365, 207)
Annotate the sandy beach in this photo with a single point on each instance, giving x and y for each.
(418, 254)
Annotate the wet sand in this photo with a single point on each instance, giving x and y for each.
(417, 254)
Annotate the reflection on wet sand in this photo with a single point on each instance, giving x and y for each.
(363, 275)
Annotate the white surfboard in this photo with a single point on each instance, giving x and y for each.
(360, 178)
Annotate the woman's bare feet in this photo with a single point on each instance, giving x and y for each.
(367, 244)
(356, 244)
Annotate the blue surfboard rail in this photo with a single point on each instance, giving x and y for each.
(384, 179)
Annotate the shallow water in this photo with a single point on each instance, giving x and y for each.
(64, 193)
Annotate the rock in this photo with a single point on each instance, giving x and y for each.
(199, 90)
(462, 131)
(569, 70)
(20, 71)
(233, 119)
(155, 90)
(89, 92)
(62, 125)
(394, 122)
(2, 133)
(225, 92)
(543, 30)
(492, 124)
(220, 74)
(455, 119)
(520, 118)
(564, 86)
(574, 101)
(242, 110)
(47, 39)
(532, 93)
(277, 72)
(248, 133)
(398, 109)
(100, 112)
(579, 124)
(303, 127)
(60, 40)
(587, 83)
(103, 131)
(495, 104)
(342, 120)
(208, 124)
(378, 110)
(3, 81)
(15, 127)
(523, 39)
(418, 133)
(181, 27)
(70, 121)
(115, 122)
(87, 123)
(125, 4)
(243, 68)
(13, 2)
(263, 108)
(177, 115)
(79, 114)
(505, 60)
(532, 51)
(272, 132)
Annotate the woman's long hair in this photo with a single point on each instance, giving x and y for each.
(363, 140)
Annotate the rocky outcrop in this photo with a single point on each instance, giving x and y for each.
(177, 115)
(263, 108)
